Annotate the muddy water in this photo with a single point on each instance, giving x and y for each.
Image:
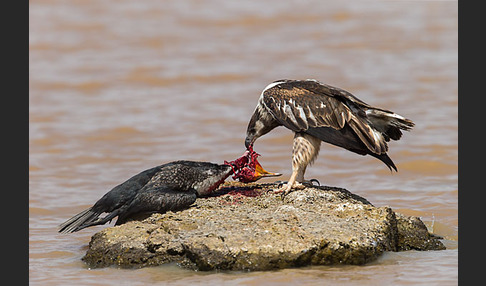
(117, 87)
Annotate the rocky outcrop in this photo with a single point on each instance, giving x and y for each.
(246, 227)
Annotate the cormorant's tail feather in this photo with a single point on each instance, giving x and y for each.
(73, 224)
(84, 219)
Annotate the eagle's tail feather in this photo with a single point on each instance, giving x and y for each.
(388, 123)
(385, 159)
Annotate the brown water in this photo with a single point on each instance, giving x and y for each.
(117, 87)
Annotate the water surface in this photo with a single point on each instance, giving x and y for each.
(117, 87)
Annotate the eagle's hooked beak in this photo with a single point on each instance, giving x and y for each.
(248, 142)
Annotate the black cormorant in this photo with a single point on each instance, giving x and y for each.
(170, 187)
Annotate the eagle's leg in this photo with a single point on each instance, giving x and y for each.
(304, 151)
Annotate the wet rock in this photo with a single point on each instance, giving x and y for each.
(245, 227)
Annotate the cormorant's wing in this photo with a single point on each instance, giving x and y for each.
(157, 198)
(301, 105)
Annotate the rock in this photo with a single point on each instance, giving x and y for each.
(245, 227)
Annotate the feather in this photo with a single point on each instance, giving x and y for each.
(328, 113)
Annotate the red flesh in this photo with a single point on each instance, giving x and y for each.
(245, 166)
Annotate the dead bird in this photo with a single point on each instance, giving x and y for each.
(169, 187)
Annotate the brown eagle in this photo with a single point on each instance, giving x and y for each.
(319, 112)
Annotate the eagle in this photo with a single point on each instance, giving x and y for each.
(317, 112)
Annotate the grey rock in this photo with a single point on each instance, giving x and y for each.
(245, 227)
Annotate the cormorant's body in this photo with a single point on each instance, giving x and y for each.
(319, 112)
(169, 187)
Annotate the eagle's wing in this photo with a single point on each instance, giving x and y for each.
(304, 105)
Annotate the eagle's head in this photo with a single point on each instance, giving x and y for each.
(261, 122)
